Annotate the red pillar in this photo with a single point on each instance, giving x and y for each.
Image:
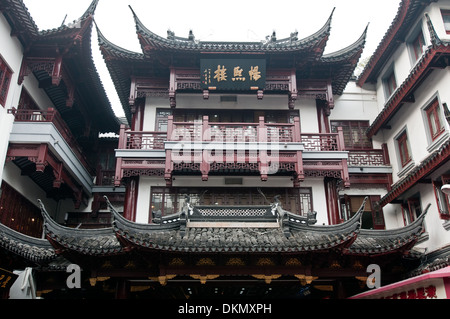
(323, 112)
(138, 116)
(332, 201)
(129, 210)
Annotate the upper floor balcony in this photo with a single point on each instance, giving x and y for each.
(43, 147)
(205, 148)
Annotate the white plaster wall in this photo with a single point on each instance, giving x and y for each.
(434, 11)
(11, 53)
(307, 107)
(357, 103)
(411, 116)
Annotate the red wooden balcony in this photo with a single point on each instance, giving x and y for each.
(49, 143)
(216, 147)
(53, 116)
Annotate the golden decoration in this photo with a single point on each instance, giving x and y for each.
(265, 262)
(93, 280)
(305, 280)
(357, 265)
(235, 262)
(293, 262)
(138, 288)
(176, 262)
(162, 279)
(205, 262)
(335, 265)
(267, 278)
(203, 278)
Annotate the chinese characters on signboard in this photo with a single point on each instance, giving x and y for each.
(233, 74)
(6, 279)
(418, 293)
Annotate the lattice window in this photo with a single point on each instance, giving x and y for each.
(171, 200)
(354, 134)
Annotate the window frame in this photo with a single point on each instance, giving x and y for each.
(442, 200)
(5, 81)
(351, 126)
(417, 44)
(433, 115)
(404, 151)
(445, 13)
(389, 82)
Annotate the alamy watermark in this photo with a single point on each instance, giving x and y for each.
(250, 144)
(374, 279)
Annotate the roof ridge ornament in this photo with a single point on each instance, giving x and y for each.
(435, 40)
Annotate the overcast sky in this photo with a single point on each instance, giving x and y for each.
(230, 20)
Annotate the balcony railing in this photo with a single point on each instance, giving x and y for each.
(52, 116)
(375, 157)
(185, 149)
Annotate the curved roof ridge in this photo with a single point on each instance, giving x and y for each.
(109, 46)
(416, 225)
(291, 43)
(32, 248)
(407, 10)
(356, 46)
(76, 24)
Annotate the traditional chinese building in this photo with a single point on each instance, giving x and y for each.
(242, 169)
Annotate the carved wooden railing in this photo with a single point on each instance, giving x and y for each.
(375, 157)
(52, 116)
(233, 132)
(206, 131)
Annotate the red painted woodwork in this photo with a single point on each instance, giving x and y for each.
(206, 160)
(52, 116)
(43, 157)
(129, 210)
(332, 201)
(18, 213)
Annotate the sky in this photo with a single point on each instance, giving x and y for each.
(230, 20)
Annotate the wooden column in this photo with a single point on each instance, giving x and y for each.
(323, 112)
(332, 199)
(138, 116)
(130, 205)
(122, 289)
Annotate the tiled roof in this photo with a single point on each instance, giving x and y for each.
(292, 233)
(77, 35)
(33, 249)
(151, 42)
(407, 14)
